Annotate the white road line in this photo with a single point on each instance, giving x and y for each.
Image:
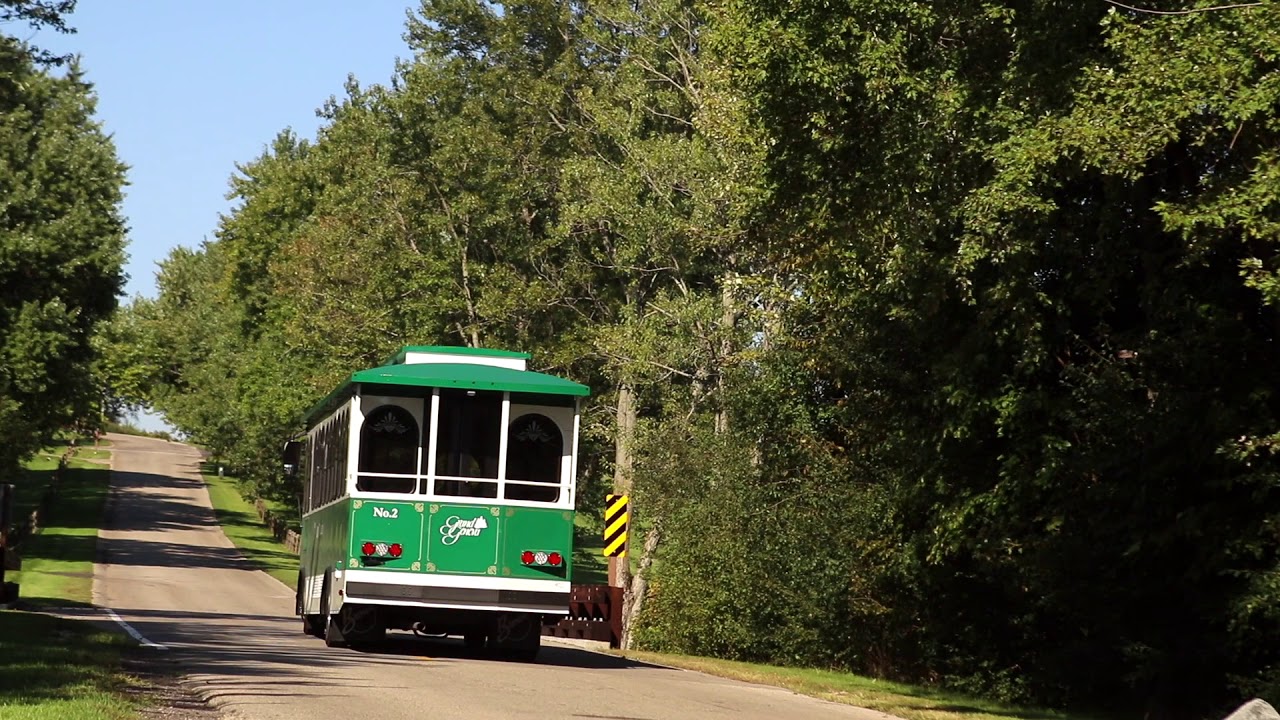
(132, 632)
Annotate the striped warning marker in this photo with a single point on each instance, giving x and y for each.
(616, 515)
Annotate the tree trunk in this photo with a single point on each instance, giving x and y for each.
(633, 602)
(729, 315)
(473, 318)
(623, 458)
(623, 462)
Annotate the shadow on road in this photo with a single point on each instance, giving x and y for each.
(145, 502)
(141, 502)
(437, 648)
(266, 655)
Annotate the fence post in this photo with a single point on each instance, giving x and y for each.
(8, 590)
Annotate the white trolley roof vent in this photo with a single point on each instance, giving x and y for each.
(434, 354)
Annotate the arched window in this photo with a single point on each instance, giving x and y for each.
(388, 444)
(535, 449)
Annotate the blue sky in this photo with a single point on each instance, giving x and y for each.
(188, 89)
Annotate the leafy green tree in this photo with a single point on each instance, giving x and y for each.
(1024, 233)
(128, 359)
(38, 14)
(61, 243)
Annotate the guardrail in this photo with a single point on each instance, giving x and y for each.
(12, 534)
(8, 590)
(279, 527)
(595, 613)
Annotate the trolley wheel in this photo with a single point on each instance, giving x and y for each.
(311, 624)
(330, 631)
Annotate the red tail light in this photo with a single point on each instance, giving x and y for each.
(541, 557)
(381, 549)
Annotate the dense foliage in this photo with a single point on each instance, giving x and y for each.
(935, 340)
(61, 240)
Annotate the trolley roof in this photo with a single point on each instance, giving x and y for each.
(469, 377)
(466, 376)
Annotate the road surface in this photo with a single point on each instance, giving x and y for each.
(167, 571)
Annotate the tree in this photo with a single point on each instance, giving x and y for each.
(1024, 233)
(61, 244)
(39, 14)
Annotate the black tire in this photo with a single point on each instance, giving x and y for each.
(331, 633)
(297, 595)
(310, 623)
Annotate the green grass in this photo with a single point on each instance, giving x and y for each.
(55, 669)
(52, 668)
(57, 562)
(590, 566)
(239, 520)
(906, 701)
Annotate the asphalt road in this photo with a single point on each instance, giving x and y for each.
(168, 572)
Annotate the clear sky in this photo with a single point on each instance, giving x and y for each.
(188, 89)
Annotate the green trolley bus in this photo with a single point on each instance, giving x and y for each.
(439, 497)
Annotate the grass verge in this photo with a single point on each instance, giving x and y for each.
(56, 669)
(239, 520)
(906, 701)
(57, 562)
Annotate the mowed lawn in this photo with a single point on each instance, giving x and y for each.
(53, 668)
(57, 562)
(240, 523)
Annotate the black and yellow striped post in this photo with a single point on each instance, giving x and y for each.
(616, 516)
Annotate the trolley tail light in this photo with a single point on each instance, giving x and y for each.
(541, 558)
(381, 549)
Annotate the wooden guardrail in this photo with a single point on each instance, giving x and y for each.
(12, 534)
(279, 527)
(595, 613)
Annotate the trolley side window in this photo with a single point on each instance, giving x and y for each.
(388, 446)
(535, 450)
(328, 461)
(469, 431)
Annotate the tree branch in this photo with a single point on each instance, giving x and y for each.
(1117, 3)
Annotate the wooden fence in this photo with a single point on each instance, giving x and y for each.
(279, 527)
